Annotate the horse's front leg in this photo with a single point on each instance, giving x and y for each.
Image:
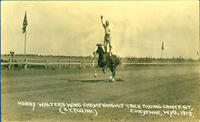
(103, 69)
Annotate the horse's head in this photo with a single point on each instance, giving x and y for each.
(100, 50)
(101, 53)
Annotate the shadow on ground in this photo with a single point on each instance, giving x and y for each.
(95, 81)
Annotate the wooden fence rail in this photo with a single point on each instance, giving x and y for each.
(81, 64)
(25, 63)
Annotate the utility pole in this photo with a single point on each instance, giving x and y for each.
(162, 50)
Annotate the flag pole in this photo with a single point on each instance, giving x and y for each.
(25, 44)
(25, 23)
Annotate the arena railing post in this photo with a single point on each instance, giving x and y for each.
(10, 63)
(25, 64)
(84, 62)
(45, 65)
(93, 64)
(70, 65)
(80, 64)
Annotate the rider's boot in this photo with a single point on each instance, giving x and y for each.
(105, 48)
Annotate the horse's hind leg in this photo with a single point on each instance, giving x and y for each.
(113, 73)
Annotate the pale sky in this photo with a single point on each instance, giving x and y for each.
(74, 28)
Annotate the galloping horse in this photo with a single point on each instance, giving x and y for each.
(107, 61)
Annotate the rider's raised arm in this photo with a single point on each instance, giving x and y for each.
(102, 21)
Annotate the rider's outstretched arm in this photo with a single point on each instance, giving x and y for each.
(102, 21)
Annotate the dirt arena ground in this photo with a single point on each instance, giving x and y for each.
(156, 85)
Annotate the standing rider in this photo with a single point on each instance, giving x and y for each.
(107, 35)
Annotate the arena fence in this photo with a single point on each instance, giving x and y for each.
(65, 64)
(48, 63)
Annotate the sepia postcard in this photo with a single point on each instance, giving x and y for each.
(100, 61)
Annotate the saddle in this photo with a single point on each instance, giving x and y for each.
(107, 58)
